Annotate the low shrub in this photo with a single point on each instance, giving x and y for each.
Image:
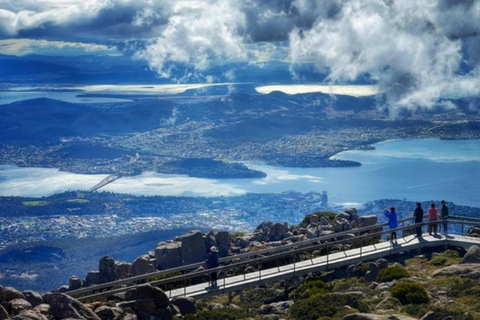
(217, 315)
(409, 293)
(309, 289)
(327, 305)
(445, 258)
(392, 273)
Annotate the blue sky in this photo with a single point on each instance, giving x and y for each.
(420, 52)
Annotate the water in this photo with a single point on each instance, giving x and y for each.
(417, 170)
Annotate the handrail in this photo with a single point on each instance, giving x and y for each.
(262, 256)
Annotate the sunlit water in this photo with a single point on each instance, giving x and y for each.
(424, 169)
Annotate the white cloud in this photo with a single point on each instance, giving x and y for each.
(199, 33)
(21, 47)
(413, 49)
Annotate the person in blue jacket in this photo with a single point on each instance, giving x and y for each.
(392, 222)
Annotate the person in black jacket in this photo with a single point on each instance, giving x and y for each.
(212, 262)
(418, 215)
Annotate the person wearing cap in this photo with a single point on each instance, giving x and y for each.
(444, 216)
(213, 262)
(432, 217)
(418, 216)
(392, 222)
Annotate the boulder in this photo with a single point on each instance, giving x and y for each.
(33, 297)
(108, 271)
(108, 312)
(367, 221)
(474, 232)
(264, 227)
(468, 270)
(185, 305)
(324, 221)
(223, 239)
(372, 272)
(313, 218)
(143, 265)
(74, 283)
(92, 278)
(168, 255)
(430, 315)
(43, 308)
(279, 308)
(3, 313)
(193, 247)
(472, 255)
(371, 316)
(277, 231)
(148, 302)
(241, 242)
(63, 306)
(123, 269)
(30, 315)
(9, 293)
(19, 305)
(382, 263)
(343, 215)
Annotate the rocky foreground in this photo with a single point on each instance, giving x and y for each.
(439, 286)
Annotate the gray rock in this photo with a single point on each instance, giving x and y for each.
(279, 308)
(469, 270)
(311, 233)
(147, 292)
(474, 232)
(108, 313)
(277, 231)
(241, 242)
(30, 315)
(359, 316)
(185, 305)
(43, 308)
(193, 248)
(382, 263)
(123, 269)
(324, 221)
(92, 278)
(74, 283)
(63, 306)
(3, 313)
(313, 218)
(430, 315)
(33, 297)
(168, 255)
(223, 239)
(344, 215)
(108, 271)
(367, 221)
(209, 241)
(148, 302)
(19, 305)
(472, 255)
(264, 227)
(143, 265)
(372, 272)
(9, 293)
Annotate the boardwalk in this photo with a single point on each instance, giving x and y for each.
(331, 261)
(336, 252)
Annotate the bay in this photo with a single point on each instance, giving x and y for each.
(415, 170)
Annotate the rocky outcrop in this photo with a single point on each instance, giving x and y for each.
(168, 255)
(108, 271)
(185, 305)
(148, 302)
(63, 307)
(193, 247)
(472, 255)
(467, 270)
(143, 265)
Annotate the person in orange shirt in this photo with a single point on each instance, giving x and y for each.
(432, 217)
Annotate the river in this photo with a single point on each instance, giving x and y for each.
(417, 169)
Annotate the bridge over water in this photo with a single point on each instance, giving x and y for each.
(290, 261)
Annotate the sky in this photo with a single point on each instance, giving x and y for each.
(419, 52)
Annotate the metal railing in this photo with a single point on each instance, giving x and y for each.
(289, 254)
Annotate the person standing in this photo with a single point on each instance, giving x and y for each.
(418, 215)
(392, 222)
(444, 216)
(432, 218)
(213, 262)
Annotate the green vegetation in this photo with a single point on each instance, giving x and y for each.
(327, 305)
(392, 273)
(35, 203)
(309, 289)
(78, 200)
(230, 314)
(410, 293)
(445, 258)
(237, 234)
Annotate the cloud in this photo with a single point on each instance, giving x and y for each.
(19, 47)
(413, 49)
